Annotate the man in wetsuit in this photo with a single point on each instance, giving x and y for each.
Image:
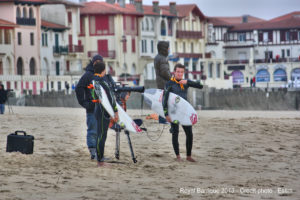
(180, 87)
(101, 114)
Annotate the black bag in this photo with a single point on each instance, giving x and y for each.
(21, 143)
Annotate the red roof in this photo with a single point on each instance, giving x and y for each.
(67, 3)
(229, 21)
(7, 23)
(286, 16)
(106, 8)
(52, 25)
(286, 23)
(185, 9)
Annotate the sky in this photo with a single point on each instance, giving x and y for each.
(265, 9)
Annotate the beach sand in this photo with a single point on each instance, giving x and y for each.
(240, 155)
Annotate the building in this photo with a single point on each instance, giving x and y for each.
(111, 30)
(26, 14)
(252, 47)
(7, 61)
(157, 24)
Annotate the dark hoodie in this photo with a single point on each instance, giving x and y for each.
(83, 94)
(161, 65)
(3, 95)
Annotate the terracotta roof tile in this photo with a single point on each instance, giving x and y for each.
(7, 23)
(106, 8)
(27, 1)
(229, 21)
(286, 16)
(184, 10)
(52, 25)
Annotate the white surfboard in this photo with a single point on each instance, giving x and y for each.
(124, 119)
(179, 109)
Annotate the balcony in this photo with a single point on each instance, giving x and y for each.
(278, 60)
(236, 62)
(104, 54)
(75, 49)
(189, 34)
(60, 50)
(189, 55)
(26, 21)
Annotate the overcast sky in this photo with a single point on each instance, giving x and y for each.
(265, 9)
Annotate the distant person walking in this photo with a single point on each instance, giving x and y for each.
(3, 98)
(251, 82)
(254, 81)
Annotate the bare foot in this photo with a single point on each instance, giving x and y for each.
(103, 164)
(189, 158)
(178, 159)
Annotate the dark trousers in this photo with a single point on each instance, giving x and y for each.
(103, 120)
(189, 138)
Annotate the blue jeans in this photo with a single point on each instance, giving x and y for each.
(91, 136)
(2, 108)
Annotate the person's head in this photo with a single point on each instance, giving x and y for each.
(163, 48)
(99, 67)
(125, 95)
(1, 87)
(97, 58)
(179, 71)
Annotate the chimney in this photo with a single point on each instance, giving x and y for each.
(155, 6)
(122, 3)
(139, 6)
(245, 18)
(173, 8)
(110, 1)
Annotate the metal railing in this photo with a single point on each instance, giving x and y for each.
(105, 54)
(60, 50)
(26, 21)
(75, 48)
(189, 34)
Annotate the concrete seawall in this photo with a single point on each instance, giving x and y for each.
(207, 98)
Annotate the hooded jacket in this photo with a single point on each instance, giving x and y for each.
(3, 95)
(161, 65)
(83, 94)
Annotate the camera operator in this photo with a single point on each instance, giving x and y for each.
(3, 98)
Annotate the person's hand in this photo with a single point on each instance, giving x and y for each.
(116, 119)
(168, 119)
(184, 82)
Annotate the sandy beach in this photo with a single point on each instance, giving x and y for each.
(240, 155)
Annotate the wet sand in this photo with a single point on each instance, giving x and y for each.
(240, 155)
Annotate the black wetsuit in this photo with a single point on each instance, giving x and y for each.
(103, 117)
(172, 86)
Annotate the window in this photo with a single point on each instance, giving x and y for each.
(170, 27)
(68, 65)
(46, 39)
(152, 25)
(192, 48)
(7, 36)
(288, 53)
(143, 25)
(183, 47)
(32, 66)
(18, 12)
(31, 39)
(282, 53)
(20, 66)
(133, 45)
(19, 38)
(299, 35)
(82, 26)
(218, 70)
(70, 17)
(266, 39)
(242, 37)
(24, 13)
(147, 25)
(163, 28)
(176, 47)
(145, 46)
(57, 67)
(152, 46)
(0, 36)
(210, 72)
(31, 13)
(287, 36)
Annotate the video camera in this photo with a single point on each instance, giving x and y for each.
(118, 89)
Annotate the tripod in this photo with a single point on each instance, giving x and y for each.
(117, 151)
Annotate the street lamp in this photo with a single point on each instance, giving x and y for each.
(123, 40)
